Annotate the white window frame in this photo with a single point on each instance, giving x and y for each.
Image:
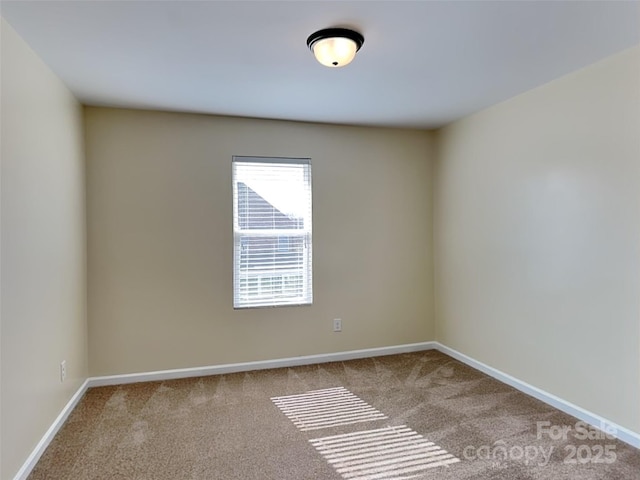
(253, 288)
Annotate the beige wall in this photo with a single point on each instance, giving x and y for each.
(43, 293)
(160, 240)
(537, 236)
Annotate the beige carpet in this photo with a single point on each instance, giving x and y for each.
(419, 415)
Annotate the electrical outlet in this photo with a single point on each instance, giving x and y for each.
(337, 324)
(63, 371)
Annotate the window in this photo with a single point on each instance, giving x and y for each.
(271, 232)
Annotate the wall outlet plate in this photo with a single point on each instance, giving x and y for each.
(63, 370)
(337, 324)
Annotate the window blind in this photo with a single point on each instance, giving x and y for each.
(272, 232)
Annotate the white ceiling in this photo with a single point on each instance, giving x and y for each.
(423, 63)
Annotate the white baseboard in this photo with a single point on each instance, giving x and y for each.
(621, 433)
(259, 365)
(44, 442)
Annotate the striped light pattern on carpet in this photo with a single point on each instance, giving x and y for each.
(382, 454)
(330, 407)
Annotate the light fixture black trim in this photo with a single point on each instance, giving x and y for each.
(357, 38)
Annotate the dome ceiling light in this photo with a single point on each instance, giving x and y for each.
(335, 47)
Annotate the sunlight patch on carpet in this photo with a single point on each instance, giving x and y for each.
(382, 454)
(330, 407)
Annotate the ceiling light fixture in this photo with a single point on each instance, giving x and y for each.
(335, 47)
